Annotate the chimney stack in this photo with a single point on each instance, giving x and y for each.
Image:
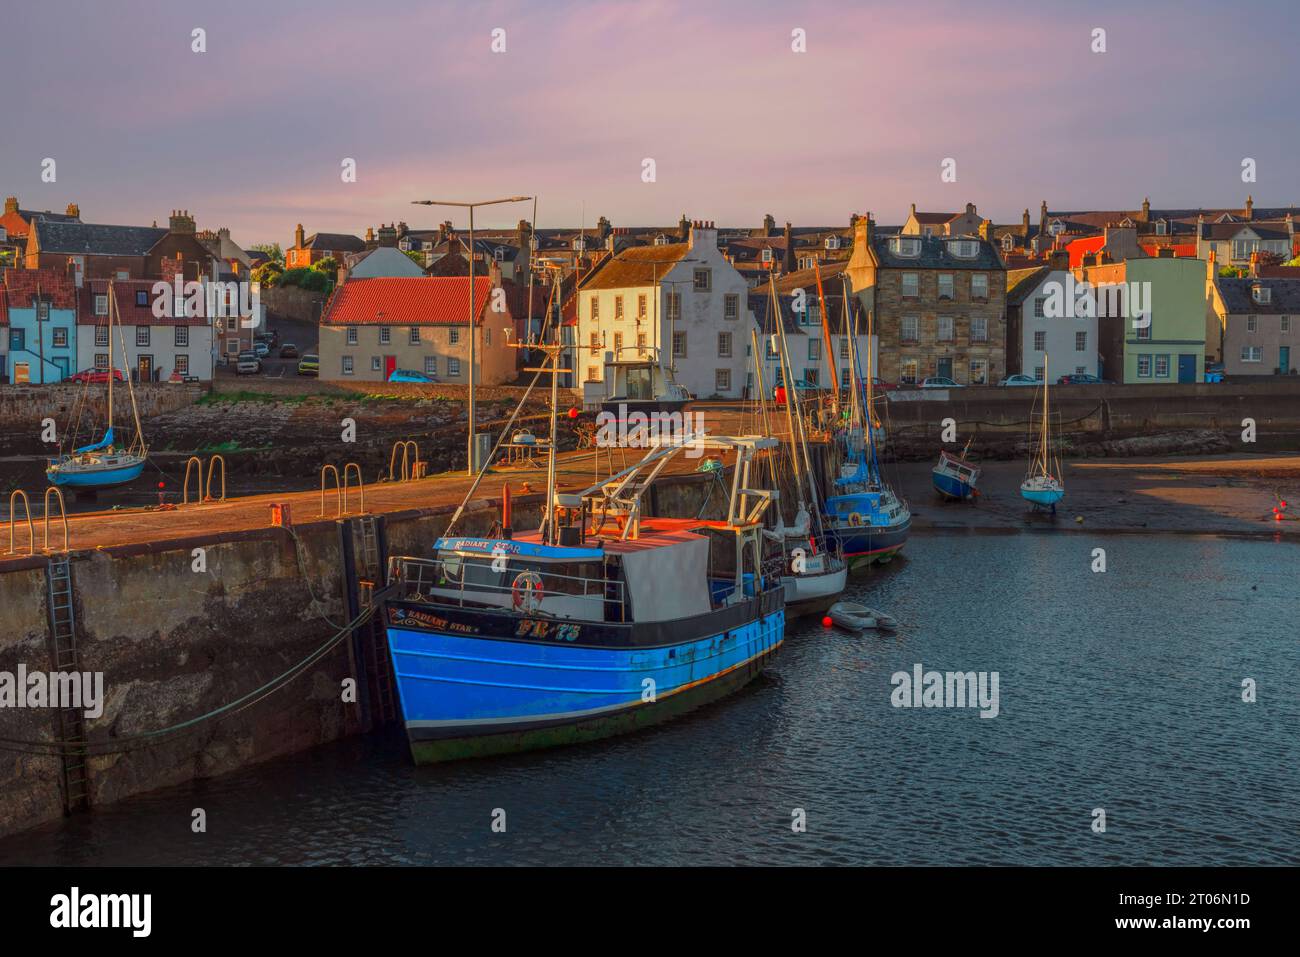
(299, 238)
(787, 264)
(1024, 224)
(986, 230)
(1146, 211)
(11, 204)
(1250, 207)
(181, 221)
(74, 210)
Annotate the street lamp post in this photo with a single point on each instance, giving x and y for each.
(470, 207)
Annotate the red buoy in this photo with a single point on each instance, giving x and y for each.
(826, 622)
(573, 412)
(160, 484)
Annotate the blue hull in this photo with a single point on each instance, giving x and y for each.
(863, 544)
(1046, 498)
(951, 486)
(508, 688)
(105, 479)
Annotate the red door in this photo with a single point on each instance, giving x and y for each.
(390, 366)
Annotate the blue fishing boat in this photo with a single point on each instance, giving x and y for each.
(600, 622)
(865, 519)
(1043, 486)
(106, 463)
(955, 476)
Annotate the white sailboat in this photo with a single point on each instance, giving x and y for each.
(812, 576)
(105, 463)
(1043, 486)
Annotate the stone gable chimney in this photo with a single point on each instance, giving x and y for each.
(986, 230)
(683, 229)
(1146, 210)
(181, 222)
(74, 210)
(703, 235)
(1249, 211)
(769, 225)
(1024, 224)
(387, 234)
(11, 204)
(787, 264)
(299, 237)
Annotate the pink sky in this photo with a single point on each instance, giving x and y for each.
(251, 133)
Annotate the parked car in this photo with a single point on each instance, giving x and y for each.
(261, 350)
(309, 365)
(1082, 378)
(409, 375)
(1020, 380)
(940, 382)
(248, 363)
(288, 351)
(879, 384)
(97, 375)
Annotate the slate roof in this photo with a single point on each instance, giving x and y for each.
(407, 301)
(1237, 299)
(95, 239)
(1264, 230)
(335, 242)
(935, 255)
(30, 214)
(1021, 283)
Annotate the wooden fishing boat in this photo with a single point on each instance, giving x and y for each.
(600, 622)
(955, 475)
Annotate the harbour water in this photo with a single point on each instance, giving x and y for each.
(1119, 690)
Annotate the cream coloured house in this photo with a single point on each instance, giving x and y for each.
(374, 327)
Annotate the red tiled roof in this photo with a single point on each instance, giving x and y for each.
(128, 308)
(54, 285)
(1082, 247)
(407, 301)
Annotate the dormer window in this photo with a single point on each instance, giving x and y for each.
(964, 248)
(1261, 294)
(1008, 243)
(906, 246)
(499, 254)
(1127, 222)
(832, 242)
(404, 245)
(1162, 228)
(580, 244)
(1056, 227)
(661, 240)
(767, 254)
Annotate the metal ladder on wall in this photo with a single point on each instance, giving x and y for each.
(71, 724)
(374, 641)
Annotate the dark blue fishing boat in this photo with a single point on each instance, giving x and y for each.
(600, 622)
(955, 475)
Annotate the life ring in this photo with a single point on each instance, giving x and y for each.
(855, 518)
(526, 591)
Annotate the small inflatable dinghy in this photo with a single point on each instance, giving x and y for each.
(855, 616)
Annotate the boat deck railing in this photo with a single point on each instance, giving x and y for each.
(436, 579)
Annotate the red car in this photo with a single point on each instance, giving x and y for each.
(96, 375)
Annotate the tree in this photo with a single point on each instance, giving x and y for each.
(272, 250)
(329, 266)
(417, 258)
(269, 274)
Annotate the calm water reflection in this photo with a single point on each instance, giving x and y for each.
(1119, 690)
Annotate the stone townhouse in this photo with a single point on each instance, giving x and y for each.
(156, 347)
(373, 327)
(1258, 324)
(102, 251)
(308, 250)
(938, 304)
(681, 302)
(942, 224)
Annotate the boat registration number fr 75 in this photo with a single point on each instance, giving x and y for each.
(539, 628)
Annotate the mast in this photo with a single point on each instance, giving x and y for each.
(1045, 401)
(792, 396)
(826, 338)
(111, 368)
